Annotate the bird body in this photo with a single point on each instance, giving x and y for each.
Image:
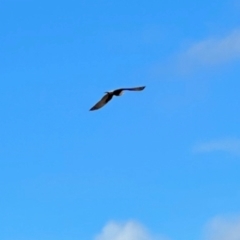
(109, 95)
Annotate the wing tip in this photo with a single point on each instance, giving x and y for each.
(141, 88)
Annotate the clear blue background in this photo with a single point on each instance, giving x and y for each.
(65, 171)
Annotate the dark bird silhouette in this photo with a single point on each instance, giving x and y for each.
(117, 92)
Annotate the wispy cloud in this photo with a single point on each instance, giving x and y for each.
(218, 228)
(130, 230)
(223, 229)
(211, 51)
(229, 145)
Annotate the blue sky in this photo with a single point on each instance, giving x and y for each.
(158, 164)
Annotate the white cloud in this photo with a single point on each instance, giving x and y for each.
(219, 228)
(230, 145)
(207, 53)
(223, 229)
(130, 230)
(211, 51)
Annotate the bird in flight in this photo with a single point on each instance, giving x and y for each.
(108, 96)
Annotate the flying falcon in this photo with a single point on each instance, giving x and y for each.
(117, 92)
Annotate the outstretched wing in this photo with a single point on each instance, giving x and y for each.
(134, 88)
(119, 91)
(106, 98)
